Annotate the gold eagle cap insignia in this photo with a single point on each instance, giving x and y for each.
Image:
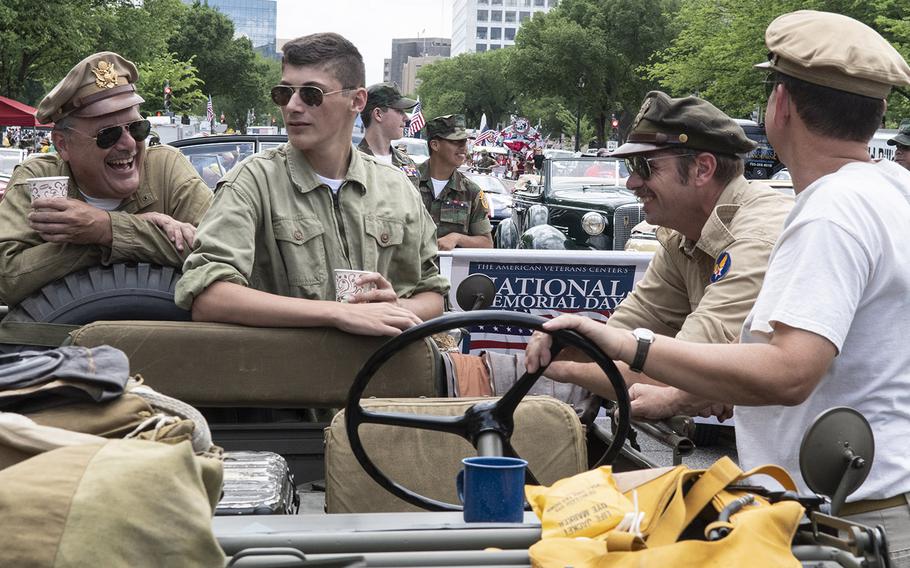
(105, 75)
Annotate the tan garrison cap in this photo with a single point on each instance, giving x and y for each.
(688, 122)
(902, 138)
(834, 51)
(450, 127)
(99, 84)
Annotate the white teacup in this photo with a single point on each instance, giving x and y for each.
(345, 284)
(44, 187)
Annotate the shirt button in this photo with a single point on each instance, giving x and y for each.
(298, 235)
(384, 238)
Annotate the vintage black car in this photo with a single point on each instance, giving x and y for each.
(578, 203)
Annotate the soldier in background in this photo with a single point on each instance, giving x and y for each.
(456, 203)
(385, 118)
(901, 144)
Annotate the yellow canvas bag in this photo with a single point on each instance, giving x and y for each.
(760, 534)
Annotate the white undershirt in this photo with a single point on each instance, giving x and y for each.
(387, 159)
(438, 186)
(333, 184)
(103, 203)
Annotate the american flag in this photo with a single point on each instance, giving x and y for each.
(417, 120)
(507, 339)
(209, 110)
(487, 135)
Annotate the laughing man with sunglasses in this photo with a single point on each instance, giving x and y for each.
(125, 202)
(284, 219)
(716, 232)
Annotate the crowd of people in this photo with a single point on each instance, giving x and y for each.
(752, 304)
(29, 140)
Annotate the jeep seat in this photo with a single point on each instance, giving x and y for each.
(548, 434)
(224, 365)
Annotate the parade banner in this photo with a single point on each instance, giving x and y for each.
(589, 283)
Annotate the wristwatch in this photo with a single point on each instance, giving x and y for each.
(645, 338)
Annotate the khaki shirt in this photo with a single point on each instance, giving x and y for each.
(168, 184)
(460, 208)
(275, 227)
(677, 297)
(399, 159)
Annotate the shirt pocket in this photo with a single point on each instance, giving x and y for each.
(301, 246)
(384, 236)
(455, 213)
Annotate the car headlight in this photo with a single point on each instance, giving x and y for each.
(593, 223)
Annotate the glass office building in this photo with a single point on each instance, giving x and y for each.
(481, 25)
(255, 19)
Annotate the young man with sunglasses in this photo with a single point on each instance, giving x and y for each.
(284, 219)
(829, 327)
(456, 203)
(385, 118)
(901, 144)
(125, 202)
(716, 233)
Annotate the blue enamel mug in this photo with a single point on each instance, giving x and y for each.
(492, 489)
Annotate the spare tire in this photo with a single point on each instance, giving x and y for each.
(116, 292)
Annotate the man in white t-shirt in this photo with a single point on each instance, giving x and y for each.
(829, 326)
(455, 203)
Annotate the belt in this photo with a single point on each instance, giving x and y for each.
(869, 505)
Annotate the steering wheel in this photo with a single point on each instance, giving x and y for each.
(487, 425)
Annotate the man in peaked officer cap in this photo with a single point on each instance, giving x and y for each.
(126, 202)
(901, 144)
(815, 337)
(456, 203)
(385, 118)
(716, 234)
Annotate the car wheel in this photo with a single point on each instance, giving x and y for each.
(116, 292)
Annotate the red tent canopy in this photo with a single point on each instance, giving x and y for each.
(14, 113)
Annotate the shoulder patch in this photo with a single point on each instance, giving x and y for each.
(721, 266)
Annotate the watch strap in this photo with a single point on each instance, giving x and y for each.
(641, 353)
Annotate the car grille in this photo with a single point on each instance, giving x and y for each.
(624, 219)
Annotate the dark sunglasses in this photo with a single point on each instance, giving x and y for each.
(109, 136)
(310, 95)
(641, 166)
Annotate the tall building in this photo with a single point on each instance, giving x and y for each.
(480, 25)
(409, 80)
(402, 49)
(254, 19)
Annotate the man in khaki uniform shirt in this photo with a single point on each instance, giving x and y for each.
(716, 234)
(125, 202)
(384, 118)
(284, 219)
(456, 203)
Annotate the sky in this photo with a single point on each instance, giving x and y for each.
(369, 24)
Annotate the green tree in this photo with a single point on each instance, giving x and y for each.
(185, 85)
(590, 53)
(40, 41)
(720, 40)
(237, 78)
(472, 84)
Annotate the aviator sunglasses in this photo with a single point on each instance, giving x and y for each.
(641, 166)
(109, 136)
(310, 95)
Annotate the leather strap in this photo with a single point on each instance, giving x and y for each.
(36, 333)
(870, 505)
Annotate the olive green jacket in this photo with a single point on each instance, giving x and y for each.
(399, 159)
(168, 184)
(460, 208)
(276, 227)
(702, 291)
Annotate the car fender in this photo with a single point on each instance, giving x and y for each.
(543, 237)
